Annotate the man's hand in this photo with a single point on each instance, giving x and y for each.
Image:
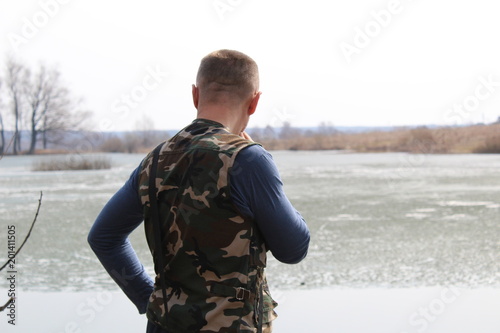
(245, 135)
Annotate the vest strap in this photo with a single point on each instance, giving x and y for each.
(155, 220)
(239, 293)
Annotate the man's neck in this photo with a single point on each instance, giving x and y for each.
(224, 118)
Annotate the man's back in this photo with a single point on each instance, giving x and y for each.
(215, 256)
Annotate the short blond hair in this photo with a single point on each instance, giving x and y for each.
(230, 72)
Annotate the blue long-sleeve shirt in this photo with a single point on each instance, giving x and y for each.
(257, 191)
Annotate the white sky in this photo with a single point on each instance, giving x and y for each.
(417, 63)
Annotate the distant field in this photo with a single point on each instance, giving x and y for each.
(442, 140)
(423, 140)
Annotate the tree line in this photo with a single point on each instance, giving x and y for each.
(38, 103)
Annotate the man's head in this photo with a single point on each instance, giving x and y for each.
(227, 80)
(228, 72)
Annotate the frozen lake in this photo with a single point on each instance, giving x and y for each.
(377, 220)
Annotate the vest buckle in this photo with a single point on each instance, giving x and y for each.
(240, 293)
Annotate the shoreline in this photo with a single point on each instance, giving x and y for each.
(425, 139)
(373, 310)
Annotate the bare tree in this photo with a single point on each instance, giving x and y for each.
(2, 129)
(145, 128)
(269, 133)
(51, 108)
(44, 102)
(326, 128)
(288, 132)
(39, 96)
(16, 81)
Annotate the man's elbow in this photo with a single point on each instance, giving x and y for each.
(292, 260)
(293, 257)
(91, 240)
(96, 241)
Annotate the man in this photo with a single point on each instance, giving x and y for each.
(212, 203)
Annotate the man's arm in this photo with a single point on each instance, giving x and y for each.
(257, 191)
(108, 238)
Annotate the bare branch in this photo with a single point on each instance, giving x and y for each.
(6, 304)
(29, 232)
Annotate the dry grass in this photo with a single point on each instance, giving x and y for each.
(72, 162)
(491, 145)
(443, 140)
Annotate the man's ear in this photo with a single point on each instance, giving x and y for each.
(253, 103)
(196, 95)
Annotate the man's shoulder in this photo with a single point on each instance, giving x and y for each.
(256, 162)
(252, 153)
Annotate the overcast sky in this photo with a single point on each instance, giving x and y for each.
(348, 63)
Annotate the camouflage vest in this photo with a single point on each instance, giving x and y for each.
(213, 256)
